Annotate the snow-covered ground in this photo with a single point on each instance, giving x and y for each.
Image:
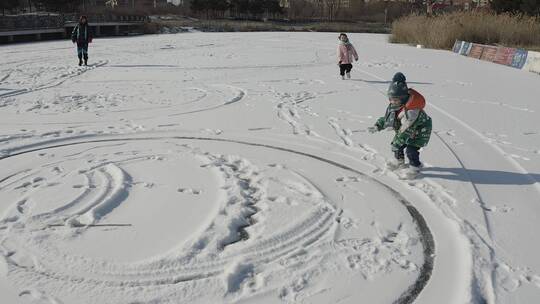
(235, 167)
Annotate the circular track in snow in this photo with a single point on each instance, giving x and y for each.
(254, 226)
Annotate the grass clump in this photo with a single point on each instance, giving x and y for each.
(442, 31)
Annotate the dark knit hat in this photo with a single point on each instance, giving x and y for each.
(398, 89)
(399, 77)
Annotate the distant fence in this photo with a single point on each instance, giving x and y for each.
(29, 22)
(513, 57)
(99, 18)
(26, 22)
(43, 26)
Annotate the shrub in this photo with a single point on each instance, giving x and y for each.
(479, 27)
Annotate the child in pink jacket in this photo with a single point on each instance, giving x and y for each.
(345, 54)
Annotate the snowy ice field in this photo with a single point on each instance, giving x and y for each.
(235, 168)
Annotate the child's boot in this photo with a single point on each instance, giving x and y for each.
(411, 173)
(396, 164)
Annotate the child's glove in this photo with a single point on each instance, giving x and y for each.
(373, 129)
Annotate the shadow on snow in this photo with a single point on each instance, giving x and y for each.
(482, 177)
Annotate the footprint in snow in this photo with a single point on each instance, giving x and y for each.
(503, 209)
(277, 166)
(189, 191)
(516, 156)
(534, 280)
(354, 179)
(23, 185)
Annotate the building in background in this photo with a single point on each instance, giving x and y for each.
(130, 3)
(336, 3)
(461, 3)
(470, 4)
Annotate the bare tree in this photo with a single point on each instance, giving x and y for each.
(301, 9)
(112, 3)
(332, 8)
(8, 5)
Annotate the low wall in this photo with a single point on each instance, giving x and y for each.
(532, 63)
(22, 22)
(35, 27)
(513, 57)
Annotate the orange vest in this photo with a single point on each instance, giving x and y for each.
(416, 101)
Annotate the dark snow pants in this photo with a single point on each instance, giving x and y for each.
(343, 68)
(82, 50)
(412, 154)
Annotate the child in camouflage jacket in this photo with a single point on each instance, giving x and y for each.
(406, 116)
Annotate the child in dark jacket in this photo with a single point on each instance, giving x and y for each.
(82, 36)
